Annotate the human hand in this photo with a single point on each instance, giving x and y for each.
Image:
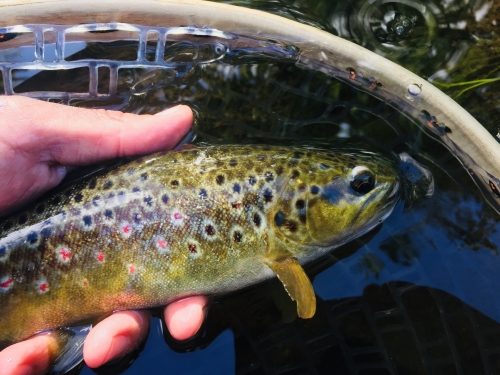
(38, 142)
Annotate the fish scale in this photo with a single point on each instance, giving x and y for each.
(206, 220)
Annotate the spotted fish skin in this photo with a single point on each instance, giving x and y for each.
(198, 221)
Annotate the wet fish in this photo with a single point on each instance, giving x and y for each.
(207, 220)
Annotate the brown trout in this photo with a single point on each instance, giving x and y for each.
(207, 220)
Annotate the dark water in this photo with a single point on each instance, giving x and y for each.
(453, 43)
(417, 295)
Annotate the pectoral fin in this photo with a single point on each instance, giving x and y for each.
(297, 284)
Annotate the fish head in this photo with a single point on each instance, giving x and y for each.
(338, 203)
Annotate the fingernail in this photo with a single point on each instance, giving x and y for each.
(169, 111)
(120, 346)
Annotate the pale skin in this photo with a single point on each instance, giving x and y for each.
(39, 142)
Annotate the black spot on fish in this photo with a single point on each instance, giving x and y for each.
(136, 189)
(252, 180)
(137, 218)
(192, 248)
(174, 183)
(237, 236)
(256, 219)
(108, 214)
(96, 200)
(261, 157)
(3, 251)
(121, 194)
(111, 195)
(268, 196)
(32, 238)
(148, 201)
(279, 170)
(78, 197)
(236, 188)
(300, 204)
(323, 166)
(279, 218)
(7, 225)
(144, 176)
(295, 174)
(219, 179)
(203, 194)
(314, 189)
(87, 219)
(269, 176)
(291, 225)
(210, 230)
(233, 163)
(46, 232)
(22, 219)
(164, 198)
(93, 183)
(107, 185)
(40, 208)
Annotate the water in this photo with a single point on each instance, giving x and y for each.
(418, 295)
(447, 42)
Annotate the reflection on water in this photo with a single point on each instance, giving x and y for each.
(451, 42)
(417, 295)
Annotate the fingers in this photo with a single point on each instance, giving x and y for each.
(39, 139)
(30, 357)
(115, 336)
(77, 136)
(123, 331)
(111, 339)
(185, 317)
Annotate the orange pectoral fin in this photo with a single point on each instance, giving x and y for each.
(297, 284)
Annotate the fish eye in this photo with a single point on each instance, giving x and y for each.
(362, 180)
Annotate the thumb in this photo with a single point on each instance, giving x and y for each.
(58, 134)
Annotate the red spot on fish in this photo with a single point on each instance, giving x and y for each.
(43, 287)
(131, 269)
(65, 254)
(126, 229)
(162, 244)
(236, 204)
(85, 283)
(177, 216)
(6, 283)
(100, 257)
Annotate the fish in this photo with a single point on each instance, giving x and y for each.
(206, 220)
